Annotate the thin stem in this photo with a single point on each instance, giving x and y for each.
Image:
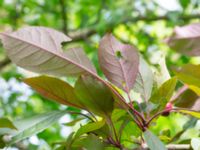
(114, 130)
(158, 114)
(72, 112)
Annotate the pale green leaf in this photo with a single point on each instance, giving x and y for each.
(144, 81)
(153, 141)
(33, 125)
(89, 128)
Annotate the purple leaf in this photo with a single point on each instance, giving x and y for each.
(39, 49)
(186, 39)
(119, 62)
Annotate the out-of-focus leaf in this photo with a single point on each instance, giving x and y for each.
(94, 95)
(187, 99)
(6, 123)
(189, 74)
(144, 81)
(184, 3)
(186, 39)
(161, 73)
(90, 142)
(69, 141)
(119, 62)
(153, 141)
(164, 93)
(192, 113)
(117, 114)
(195, 143)
(89, 128)
(33, 125)
(39, 49)
(54, 89)
(2, 143)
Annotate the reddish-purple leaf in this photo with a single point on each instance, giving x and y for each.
(39, 49)
(186, 39)
(119, 62)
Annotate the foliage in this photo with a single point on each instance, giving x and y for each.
(142, 102)
(38, 49)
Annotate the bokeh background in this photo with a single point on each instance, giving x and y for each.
(144, 23)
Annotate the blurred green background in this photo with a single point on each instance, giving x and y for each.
(144, 23)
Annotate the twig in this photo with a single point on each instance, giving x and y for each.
(64, 17)
(4, 63)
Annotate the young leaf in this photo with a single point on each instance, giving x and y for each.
(186, 39)
(33, 125)
(192, 113)
(161, 73)
(189, 74)
(54, 89)
(39, 49)
(164, 93)
(89, 128)
(118, 61)
(6, 123)
(144, 80)
(153, 141)
(94, 95)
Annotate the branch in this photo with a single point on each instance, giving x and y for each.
(157, 18)
(81, 35)
(4, 63)
(77, 36)
(173, 147)
(64, 17)
(84, 34)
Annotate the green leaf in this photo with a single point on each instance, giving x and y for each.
(184, 3)
(6, 123)
(73, 122)
(144, 80)
(189, 74)
(153, 141)
(94, 95)
(161, 73)
(2, 142)
(33, 125)
(89, 128)
(164, 93)
(90, 142)
(54, 89)
(69, 141)
(192, 113)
